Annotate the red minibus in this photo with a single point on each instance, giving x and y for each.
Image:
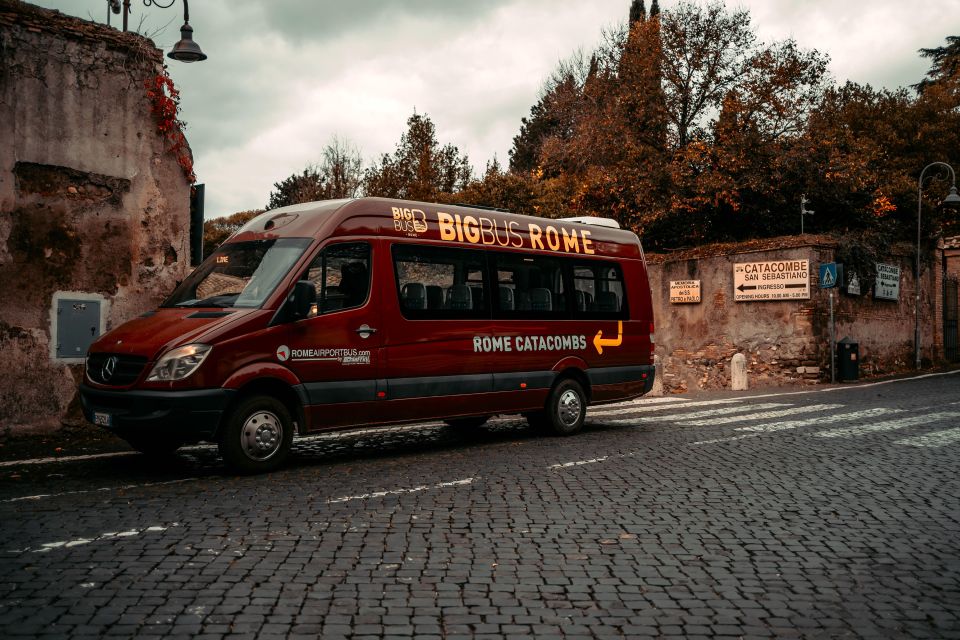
(371, 311)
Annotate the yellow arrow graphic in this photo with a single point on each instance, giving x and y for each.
(599, 343)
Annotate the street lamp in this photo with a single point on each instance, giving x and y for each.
(803, 210)
(186, 50)
(952, 199)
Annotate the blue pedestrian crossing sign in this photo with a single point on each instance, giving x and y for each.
(828, 275)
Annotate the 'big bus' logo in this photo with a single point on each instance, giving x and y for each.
(409, 221)
(490, 231)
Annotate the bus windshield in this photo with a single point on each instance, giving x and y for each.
(239, 274)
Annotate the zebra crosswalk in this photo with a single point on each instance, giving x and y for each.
(930, 427)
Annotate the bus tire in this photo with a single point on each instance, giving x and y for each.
(467, 423)
(566, 408)
(257, 435)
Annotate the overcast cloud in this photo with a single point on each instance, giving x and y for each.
(284, 76)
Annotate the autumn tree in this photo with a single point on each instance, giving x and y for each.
(945, 64)
(300, 187)
(338, 175)
(342, 169)
(419, 168)
(217, 230)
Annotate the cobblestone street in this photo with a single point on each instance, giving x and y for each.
(827, 513)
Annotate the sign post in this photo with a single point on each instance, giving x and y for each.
(830, 275)
(833, 343)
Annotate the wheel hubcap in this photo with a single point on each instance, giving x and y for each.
(261, 435)
(569, 409)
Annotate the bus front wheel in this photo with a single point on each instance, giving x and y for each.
(257, 436)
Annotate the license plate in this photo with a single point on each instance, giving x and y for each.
(102, 419)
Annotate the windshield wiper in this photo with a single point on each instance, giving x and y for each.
(220, 301)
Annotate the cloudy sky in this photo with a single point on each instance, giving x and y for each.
(284, 76)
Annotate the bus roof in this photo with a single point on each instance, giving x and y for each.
(455, 224)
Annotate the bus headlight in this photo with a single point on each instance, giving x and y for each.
(179, 363)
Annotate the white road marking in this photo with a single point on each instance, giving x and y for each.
(578, 463)
(110, 535)
(730, 439)
(813, 422)
(93, 456)
(698, 414)
(124, 487)
(887, 425)
(380, 494)
(763, 415)
(933, 440)
(617, 409)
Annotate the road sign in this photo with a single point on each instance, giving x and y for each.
(853, 285)
(775, 280)
(828, 275)
(684, 291)
(888, 282)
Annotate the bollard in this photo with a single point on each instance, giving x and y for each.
(657, 389)
(738, 373)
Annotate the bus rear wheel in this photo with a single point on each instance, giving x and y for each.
(257, 436)
(565, 410)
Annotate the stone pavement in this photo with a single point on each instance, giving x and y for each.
(832, 513)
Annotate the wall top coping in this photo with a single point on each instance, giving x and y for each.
(748, 246)
(15, 13)
(899, 250)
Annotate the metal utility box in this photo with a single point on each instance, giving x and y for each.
(78, 323)
(848, 359)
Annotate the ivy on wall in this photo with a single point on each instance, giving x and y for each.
(165, 107)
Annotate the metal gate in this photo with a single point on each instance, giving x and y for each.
(950, 330)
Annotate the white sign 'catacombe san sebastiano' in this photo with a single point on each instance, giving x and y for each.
(774, 280)
(888, 282)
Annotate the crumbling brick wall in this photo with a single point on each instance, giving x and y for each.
(91, 200)
(785, 342)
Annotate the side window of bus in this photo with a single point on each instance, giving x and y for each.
(598, 291)
(529, 287)
(436, 283)
(341, 275)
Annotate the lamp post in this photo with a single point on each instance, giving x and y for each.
(186, 50)
(951, 199)
(804, 211)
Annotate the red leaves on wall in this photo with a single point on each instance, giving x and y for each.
(165, 107)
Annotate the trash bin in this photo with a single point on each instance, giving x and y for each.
(848, 359)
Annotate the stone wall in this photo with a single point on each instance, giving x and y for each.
(785, 342)
(91, 201)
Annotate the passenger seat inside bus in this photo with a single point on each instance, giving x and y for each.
(506, 299)
(459, 297)
(413, 295)
(434, 296)
(608, 302)
(541, 299)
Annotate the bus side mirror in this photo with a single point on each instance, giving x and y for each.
(302, 300)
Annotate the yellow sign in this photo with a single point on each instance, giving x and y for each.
(684, 291)
(492, 231)
(599, 342)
